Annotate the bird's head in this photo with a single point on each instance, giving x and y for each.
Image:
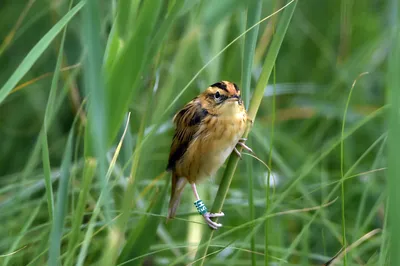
(223, 97)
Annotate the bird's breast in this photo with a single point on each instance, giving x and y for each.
(216, 140)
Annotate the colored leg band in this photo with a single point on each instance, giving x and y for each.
(201, 208)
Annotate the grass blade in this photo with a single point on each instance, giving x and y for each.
(127, 10)
(37, 51)
(96, 128)
(47, 174)
(342, 168)
(61, 204)
(47, 120)
(253, 16)
(393, 141)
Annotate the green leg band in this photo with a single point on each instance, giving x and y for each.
(201, 208)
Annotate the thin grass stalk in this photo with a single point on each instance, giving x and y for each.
(254, 105)
(60, 210)
(47, 173)
(62, 199)
(344, 242)
(250, 178)
(88, 173)
(267, 188)
(393, 174)
(253, 16)
(305, 247)
(367, 191)
(43, 135)
(383, 256)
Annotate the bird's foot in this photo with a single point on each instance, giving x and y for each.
(214, 225)
(241, 143)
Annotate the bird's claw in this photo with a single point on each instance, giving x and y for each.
(238, 153)
(212, 224)
(244, 145)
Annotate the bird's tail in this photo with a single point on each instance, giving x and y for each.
(177, 186)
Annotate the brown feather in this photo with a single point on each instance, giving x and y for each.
(187, 122)
(177, 186)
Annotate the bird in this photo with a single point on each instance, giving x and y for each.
(207, 130)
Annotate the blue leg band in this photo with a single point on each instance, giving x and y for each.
(201, 208)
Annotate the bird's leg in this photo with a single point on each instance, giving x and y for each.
(238, 153)
(241, 143)
(202, 209)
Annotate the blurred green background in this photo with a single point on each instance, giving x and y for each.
(69, 195)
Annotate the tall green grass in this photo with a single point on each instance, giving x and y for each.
(84, 150)
(253, 16)
(394, 131)
(252, 112)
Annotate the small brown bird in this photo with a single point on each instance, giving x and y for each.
(207, 131)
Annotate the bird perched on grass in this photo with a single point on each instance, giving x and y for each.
(208, 128)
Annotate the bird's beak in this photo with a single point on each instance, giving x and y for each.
(235, 98)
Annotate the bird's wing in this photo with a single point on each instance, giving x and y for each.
(187, 122)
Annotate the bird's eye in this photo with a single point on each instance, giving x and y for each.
(217, 95)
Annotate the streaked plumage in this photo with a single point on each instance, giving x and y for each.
(207, 130)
